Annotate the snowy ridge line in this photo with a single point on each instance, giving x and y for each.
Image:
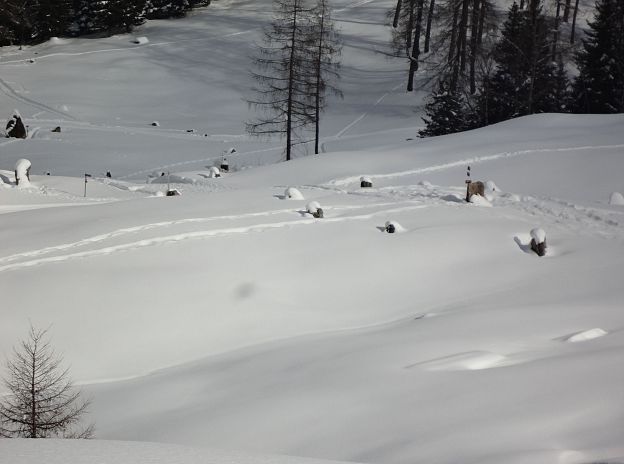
(477, 159)
(6, 89)
(196, 235)
(129, 48)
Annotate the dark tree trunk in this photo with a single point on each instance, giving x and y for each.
(576, 5)
(566, 10)
(474, 29)
(397, 14)
(429, 22)
(415, 54)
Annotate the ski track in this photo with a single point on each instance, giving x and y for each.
(123, 49)
(11, 93)
(464, 162)
(353, 5)
(192, 235)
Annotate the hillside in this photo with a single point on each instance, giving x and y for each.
(228, 317)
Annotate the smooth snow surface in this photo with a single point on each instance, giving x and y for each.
(229, 318)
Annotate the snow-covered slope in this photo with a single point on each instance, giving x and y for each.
(229, 317)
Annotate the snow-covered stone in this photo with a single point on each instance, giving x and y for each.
(538, 234)
(214, 172)
(490, 186)
(22, 172)
(616, 199)
(142, 40)
(366, 181)
(292, 193)
(393, 227)
(314, 208)
(155, 124)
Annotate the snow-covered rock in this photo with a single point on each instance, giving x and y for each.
(393, 226)
(140, 40)
(314, 208)
(291, 193)
(22, 172)
(617, 199)
(490, 186)
(538, 234)
(214, 172)
(155, 124)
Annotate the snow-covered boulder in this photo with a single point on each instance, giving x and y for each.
(214, 172)
(314, 208)
(617, 199)
(140, 40)
(538, 241)
(490, 186)
(230, 151)
(393, 227)
(22, 172)
(366, 181)
(15, 126)
(155, 124)
(292, 193)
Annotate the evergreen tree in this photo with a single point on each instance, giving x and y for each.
(90, 16)
(445, 112)
(599, 87)
(161, 9)
(525, 79)
(52, 18)
(124, 15)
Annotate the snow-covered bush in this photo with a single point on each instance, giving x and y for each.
(292, 193)
(617, 199)
(22, 172)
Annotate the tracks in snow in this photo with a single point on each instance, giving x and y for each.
(6, 89)
(37, 257)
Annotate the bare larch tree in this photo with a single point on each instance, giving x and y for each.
(41, 400)
(285, 74)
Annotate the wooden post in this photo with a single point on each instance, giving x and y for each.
(468, 181)
(85, 189)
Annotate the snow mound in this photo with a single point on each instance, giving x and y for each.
(22, 166)
(425, 183)
(490, 186)
(140, 40)
(313, 207)
(478, 200)
(292, 193)
(397, 227)
(214, 172)
(57, 41)
(586, 335)
(471, 361)
(617, 199)
(155, 124)
(366, 179)
(538, 234)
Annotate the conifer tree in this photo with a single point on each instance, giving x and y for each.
(525, 79)
(124, 15)
(599, 87)
(445, 112)
(52, 18)
(161, 9)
